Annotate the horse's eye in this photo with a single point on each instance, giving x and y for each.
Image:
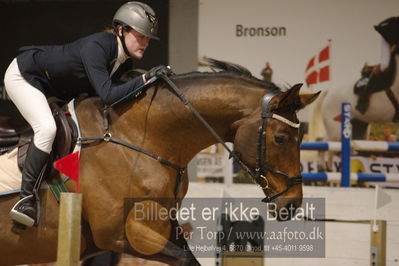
(279, 139)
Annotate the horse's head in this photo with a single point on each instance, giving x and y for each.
(273, 149)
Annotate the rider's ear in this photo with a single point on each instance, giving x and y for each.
(119, 30)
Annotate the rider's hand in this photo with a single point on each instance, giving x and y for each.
(157, 71)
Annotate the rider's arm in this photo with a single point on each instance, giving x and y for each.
(94, 59)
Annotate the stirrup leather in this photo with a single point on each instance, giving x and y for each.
(19, 216)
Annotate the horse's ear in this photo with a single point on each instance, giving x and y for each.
(296, 88)
(299, 101)
(286, 98)
(306, 99)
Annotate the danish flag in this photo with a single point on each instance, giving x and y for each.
(318, 68)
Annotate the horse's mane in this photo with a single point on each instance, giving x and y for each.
(228, 70)
(220, 69)
(226, 66)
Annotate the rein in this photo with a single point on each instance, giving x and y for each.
(260, 168)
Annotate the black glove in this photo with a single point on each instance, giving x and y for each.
(158, 70)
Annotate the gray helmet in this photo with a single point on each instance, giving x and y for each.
(138, 16)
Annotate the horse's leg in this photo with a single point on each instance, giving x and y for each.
(321, 161)
(104, 204)
(157, 239)
(330, 161)
(180, 246)
(359, 129)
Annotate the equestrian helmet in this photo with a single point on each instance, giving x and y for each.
(389, 29)
(138, 16)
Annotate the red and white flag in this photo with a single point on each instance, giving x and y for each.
(69, 166)
(318, 68)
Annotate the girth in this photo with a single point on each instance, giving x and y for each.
(108, 138)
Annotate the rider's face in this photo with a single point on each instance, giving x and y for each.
(136, 43)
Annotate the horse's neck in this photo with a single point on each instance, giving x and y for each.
(172, 131)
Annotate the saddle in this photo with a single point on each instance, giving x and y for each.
(12, 136)
(11, 132)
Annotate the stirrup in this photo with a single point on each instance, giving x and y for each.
(19, 216)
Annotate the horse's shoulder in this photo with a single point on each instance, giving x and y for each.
(88, 106)
(88, 101)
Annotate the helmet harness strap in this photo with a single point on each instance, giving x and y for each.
(123, 41)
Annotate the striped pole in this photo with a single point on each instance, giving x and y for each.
(346, 134)
(380, 146)
(321, 146)
(357, 145)
(362, 177)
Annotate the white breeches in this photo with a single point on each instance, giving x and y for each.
(33, 106)
(385, 54)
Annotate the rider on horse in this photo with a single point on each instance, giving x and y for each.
(66, 71)
(377, 78)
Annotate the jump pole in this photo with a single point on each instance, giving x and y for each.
(69, 229)
(346, 135)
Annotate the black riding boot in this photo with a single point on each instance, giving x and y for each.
(34, 163)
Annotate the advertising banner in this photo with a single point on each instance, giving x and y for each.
(321, 43)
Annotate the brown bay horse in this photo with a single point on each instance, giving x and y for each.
(159, 122)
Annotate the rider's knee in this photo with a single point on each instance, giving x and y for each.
(45, 135)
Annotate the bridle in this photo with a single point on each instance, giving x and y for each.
(261, 168)
(261, 165)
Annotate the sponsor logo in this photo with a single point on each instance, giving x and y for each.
(347, 131)
(268, 31)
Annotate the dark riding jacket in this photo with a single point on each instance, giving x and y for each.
(83, 66)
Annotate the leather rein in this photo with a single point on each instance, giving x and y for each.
(261, 168)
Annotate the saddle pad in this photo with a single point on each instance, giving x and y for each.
(10, 177)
